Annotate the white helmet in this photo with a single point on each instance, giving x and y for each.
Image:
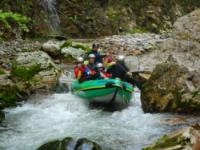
(99, 65)
(91, 56)
(80, 59)
(120, 57)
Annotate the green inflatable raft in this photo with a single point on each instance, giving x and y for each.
(104, 91)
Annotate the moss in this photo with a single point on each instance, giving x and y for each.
(167, 142)
(9, 95)
(70, 43)
(1, 72)
(25, 73)
(10, 21)
(83, 47)
(67, 44)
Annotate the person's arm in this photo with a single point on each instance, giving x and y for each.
(76, 73)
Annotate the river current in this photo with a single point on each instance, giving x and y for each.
(45, 118)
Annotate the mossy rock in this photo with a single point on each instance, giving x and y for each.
(25, 73)
(70, 143)
(178, 142)
(1, 72)
(76, 45)
(9, 95)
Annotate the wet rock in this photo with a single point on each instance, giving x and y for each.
(188, 138)
(70, 144)
(53, 47)
(2, 116)
(171, 88)
(187, 27)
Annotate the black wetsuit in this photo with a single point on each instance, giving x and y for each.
(120, 71)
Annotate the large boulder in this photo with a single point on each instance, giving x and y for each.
(184, 139)
(188, 26)
(53, 47)
(35, 69)
(172, 88)
(70, 143)
(67, 51)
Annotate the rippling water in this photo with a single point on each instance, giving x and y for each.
(45, 118)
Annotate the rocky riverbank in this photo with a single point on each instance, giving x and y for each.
(28, 67)
(168, 66)
(172, 59)
(24, 70)
(187, 138)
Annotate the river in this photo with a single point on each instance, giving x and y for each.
(44, 118)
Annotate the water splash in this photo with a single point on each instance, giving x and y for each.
(54, 20)
(47, 118)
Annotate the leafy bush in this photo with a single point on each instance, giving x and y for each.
(1, 72)
(10, 21)
(25, 73)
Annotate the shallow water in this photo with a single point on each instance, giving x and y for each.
(45, 118)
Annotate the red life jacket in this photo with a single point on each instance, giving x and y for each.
(78, 71)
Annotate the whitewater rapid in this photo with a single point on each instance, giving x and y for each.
(45, 118)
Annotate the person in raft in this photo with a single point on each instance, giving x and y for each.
(91, 71)
(80, 69)
(96, 53)
(120, 70)
(101, 73)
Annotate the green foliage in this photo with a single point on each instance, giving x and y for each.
(74, 18)
(69, 43)
(25, 73)
(9, 19)
(8, 95)
(166, 142)
(1, 72)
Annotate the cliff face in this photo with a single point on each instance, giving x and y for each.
(93, 18)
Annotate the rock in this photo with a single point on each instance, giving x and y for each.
(188, 26)
(70, 144)
(73, 52)
(53, 47)
(168, 90)
(2, 116)
(42, 72)
(187, 139)
(134, 44)
(10, 93)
